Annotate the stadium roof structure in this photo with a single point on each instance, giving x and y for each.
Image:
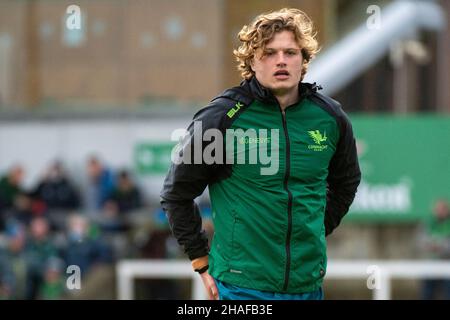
(358, 51)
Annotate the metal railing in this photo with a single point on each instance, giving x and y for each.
(379, 272)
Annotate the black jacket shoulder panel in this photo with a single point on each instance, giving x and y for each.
(328, 104)
(235, 100)
(333, 108)
(213, 114)
(237, 94)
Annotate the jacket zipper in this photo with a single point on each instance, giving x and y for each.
(286, 177)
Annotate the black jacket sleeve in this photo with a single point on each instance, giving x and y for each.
(186, 181)
(344, 175)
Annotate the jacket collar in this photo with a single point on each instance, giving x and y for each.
(266, 96)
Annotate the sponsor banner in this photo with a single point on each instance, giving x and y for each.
(405, 162)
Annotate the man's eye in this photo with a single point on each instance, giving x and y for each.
(292, 53)
(269, 53)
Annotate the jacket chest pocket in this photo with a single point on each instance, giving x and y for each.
(308, 161)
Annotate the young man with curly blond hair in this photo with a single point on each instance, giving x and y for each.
(270, 225)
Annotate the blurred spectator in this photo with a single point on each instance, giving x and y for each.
(15, 202)
(22, 209)
(125, 196)
(13, 269)
(207, 220)
(435, 240)
(56, 189)
(100, 185)
(160, 244)
(84, 249)
(39, 251)
(53, 286)
(10, 188)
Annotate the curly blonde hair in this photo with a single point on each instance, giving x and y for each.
(263, 29)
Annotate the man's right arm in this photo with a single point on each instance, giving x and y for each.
(344, 176)
(186, 181)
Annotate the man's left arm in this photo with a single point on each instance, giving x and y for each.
(344, 176)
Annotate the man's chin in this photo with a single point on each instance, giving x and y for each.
(282, 87)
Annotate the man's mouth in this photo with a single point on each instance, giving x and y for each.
(281, 74)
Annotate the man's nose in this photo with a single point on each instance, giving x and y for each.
(281, 59)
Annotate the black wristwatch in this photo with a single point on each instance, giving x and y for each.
(202, 270)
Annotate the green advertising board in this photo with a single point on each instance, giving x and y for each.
(405, 164)
(152, 158)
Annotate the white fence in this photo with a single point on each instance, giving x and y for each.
(378, 273)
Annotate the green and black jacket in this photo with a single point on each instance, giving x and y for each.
(269, 229)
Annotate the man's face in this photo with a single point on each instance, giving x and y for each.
(279, 66)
